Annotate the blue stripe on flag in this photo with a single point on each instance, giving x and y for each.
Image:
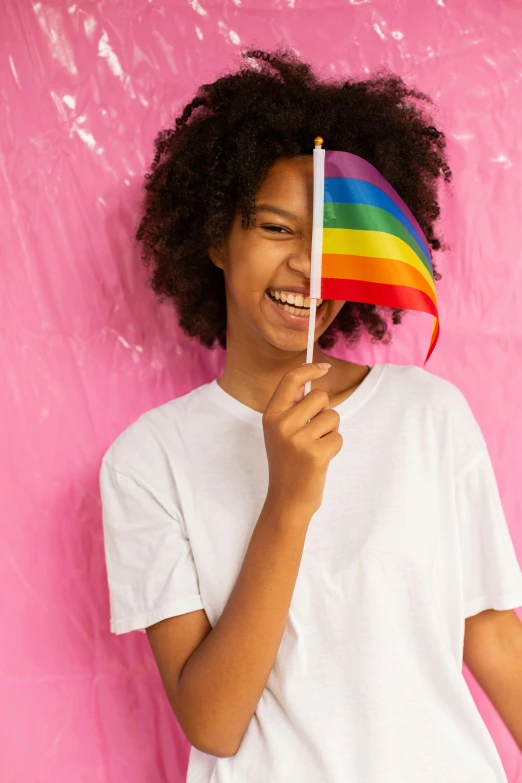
(348, 190)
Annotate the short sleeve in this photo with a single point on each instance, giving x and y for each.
(491, 573)
(150, 567)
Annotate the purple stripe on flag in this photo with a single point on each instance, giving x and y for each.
(345, 164)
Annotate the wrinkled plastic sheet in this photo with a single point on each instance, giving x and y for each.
(86, 348)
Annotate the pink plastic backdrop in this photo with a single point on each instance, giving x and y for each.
(85, 347)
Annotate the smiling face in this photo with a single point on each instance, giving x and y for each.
(272, 260)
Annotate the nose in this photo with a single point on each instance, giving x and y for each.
(301, 258)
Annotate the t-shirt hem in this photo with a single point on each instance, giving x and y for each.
(500, 602)
(139, 622)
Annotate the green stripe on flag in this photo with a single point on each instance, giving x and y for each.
(365, 217)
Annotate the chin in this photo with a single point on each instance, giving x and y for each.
(293, 342)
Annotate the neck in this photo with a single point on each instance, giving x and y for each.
(251, 374)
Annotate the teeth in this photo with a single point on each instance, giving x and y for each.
(294, 299)
(295, 311)
(302, 312)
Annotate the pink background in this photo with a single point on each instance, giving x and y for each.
(85, 347)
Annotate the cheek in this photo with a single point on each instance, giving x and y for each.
(250, 275)
(246, 287)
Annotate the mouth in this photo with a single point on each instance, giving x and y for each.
(292, 313)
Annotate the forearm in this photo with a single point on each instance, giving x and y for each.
(224, 678)
(502, 683)
(508, 698)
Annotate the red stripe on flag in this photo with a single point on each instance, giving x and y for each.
(383, 294)
(434, 338)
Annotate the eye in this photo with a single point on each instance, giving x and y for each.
(275, 229)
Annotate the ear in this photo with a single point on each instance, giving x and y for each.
(216, 256)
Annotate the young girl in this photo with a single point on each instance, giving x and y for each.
(303, 565)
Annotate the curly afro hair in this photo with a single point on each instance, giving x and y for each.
(212, 163)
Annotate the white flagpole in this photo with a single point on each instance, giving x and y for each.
(317, 248)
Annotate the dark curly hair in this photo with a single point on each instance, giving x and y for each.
(212, 163)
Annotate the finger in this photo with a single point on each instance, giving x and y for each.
(308, 408)
(323, 423)
(288, 387)
(330, 444)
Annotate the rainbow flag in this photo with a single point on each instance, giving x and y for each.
(366, 244)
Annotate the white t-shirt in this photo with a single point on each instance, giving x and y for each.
(410, 540)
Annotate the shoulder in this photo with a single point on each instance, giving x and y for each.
(146, 442)
(442, 403)
(416, 384)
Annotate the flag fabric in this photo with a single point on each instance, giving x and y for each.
(366, 244)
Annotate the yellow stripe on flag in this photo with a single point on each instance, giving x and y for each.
(373, 244)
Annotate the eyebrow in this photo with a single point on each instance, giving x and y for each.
(284, 213)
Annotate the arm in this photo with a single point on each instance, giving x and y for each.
(214, 678)
(493, 654)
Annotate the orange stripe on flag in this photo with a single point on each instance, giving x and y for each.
(373, 270)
